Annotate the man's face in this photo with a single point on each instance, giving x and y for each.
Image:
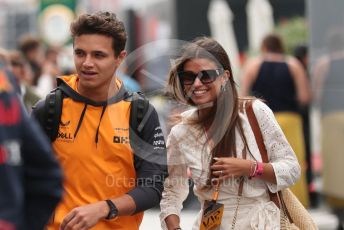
(95, 61)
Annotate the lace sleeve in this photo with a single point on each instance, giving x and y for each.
(176, 187)
(280, 153)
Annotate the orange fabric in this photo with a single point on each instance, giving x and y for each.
(95, 172)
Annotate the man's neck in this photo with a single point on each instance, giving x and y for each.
(101, 94)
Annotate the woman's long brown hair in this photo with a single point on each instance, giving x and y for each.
(223, 117)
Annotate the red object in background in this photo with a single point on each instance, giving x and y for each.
(5, 225)
(3, 157)
(242, 58)
(10, 115)
(316, 163)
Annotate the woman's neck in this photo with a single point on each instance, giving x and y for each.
(273, 56)
(204, 116)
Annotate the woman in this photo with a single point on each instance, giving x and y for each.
(282, 82)
(211, 141)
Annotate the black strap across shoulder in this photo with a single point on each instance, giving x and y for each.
(139, 108)
(53, 110)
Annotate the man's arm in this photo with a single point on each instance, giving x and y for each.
(87, 216)
(150, 163)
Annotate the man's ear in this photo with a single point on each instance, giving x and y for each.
(122, 55)
(119, 59)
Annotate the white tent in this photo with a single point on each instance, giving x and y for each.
(260, 22)
(220, 19)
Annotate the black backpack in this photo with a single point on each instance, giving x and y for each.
(49, 115)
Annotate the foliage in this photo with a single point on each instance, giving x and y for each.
(293, 32)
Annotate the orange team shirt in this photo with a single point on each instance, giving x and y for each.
(95, 172)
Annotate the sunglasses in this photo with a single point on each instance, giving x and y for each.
(205, 76)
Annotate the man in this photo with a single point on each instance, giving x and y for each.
(30, 177)
(107, 186)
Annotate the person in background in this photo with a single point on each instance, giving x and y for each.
(301, 53)
(329, 98)
(21, 73)
(281, 81)
(30, 177)
(214, 140)
(5, 66)
(109, 180)
(50, 70)
(32, 50)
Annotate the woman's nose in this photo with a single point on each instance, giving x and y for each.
(197, 82)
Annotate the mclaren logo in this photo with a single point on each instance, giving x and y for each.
(64, 123)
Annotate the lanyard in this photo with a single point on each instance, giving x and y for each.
(216, 192)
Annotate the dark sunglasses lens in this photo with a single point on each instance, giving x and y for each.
(205, 76)
(208, 76)
(187, 78)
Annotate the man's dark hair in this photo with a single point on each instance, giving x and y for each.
(104, 23)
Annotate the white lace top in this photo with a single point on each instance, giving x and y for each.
(186, 149)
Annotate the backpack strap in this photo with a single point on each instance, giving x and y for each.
(138, 112)
(53, 110)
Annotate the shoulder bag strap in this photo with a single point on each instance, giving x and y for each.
(263, 152)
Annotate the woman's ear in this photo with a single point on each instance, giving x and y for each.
(226, 76)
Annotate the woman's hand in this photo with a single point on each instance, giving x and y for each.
(172, 222)
(230, 167)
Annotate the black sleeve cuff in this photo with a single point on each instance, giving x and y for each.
(145, 198)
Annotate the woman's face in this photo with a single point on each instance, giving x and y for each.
(208, 72)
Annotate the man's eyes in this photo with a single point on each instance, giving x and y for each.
(99, 55)
(79, 53)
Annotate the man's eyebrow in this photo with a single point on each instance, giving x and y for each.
(98, 51)
(93, 51)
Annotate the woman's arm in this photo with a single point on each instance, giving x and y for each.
(318, 76)
(281, 155)
(249, 76)
(227, 167)
(301, 81)
(176, 186)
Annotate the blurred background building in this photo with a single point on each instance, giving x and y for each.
(152, 20)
